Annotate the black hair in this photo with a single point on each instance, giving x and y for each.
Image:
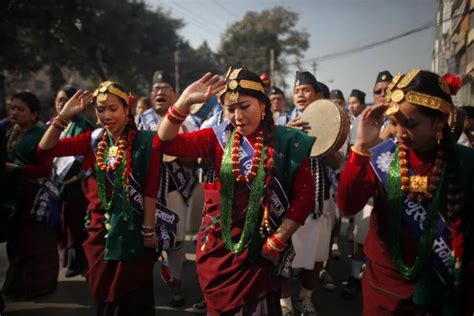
(429, 83)
(30, 99)
(145, 100)
(69, 89)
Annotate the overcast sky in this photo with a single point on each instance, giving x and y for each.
(334, 26)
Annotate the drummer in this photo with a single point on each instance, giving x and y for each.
(311, 241)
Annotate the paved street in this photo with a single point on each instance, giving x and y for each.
(72, 297)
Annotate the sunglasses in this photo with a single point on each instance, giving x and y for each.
(379, 91)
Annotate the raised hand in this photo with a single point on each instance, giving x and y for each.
(76, 104)
(370, 122)
(295, 123)
(200, 91)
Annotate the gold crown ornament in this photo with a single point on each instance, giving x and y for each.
(395, 95)
(108, 86)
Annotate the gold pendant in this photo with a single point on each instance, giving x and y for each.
(419, 184)
(113, 150)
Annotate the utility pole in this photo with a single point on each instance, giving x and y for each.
(176, 70)
(272, 66)
(315, 66)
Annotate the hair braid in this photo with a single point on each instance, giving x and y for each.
(268, 127)
(131, 136)
(454, 192)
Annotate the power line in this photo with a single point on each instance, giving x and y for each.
(198, 20)
(194, 21)
(230, 13)
(378, 43)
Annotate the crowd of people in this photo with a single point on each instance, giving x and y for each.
(111, 199)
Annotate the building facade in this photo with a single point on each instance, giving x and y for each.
(454, 45)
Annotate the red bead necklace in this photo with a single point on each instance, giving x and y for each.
(118, 151)
(255, 160)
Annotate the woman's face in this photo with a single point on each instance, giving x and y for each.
(141, 107)
(19, 113)
(413, 129)
(355, 106)
(61, 99)
(245, 114)
(112, 114)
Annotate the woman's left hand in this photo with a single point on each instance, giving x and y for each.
(200, 91)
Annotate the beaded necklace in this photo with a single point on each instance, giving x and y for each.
(257, 187)
(118, 168)
(15, 134)
(395, 199)
(419, 188)
(236, 148)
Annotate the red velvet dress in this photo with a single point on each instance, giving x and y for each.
(385, 290)
(229, 280)
(108, 280)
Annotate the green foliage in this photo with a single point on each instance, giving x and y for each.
(248, 42)
(195, 63)
(103, 39)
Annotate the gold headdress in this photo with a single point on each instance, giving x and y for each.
(395, 95)
(240, 80)
(109, 86)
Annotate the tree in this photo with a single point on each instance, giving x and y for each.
(248, 42)
(101, 39)
(195, 63)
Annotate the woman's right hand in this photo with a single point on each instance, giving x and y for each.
(76, 104)
(200, 91)
(370, 123)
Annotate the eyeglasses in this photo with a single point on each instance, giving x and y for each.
(379, 91)
(162, 89)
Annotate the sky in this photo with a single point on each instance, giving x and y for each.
(334, 26)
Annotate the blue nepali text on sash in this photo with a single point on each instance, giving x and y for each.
(149, 120)
(414, 214)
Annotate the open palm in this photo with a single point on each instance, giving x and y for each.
(369, 125)
(200, 91)
(76, 104)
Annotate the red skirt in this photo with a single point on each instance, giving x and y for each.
(111, 280)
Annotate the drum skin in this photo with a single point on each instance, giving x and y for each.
(328, 123)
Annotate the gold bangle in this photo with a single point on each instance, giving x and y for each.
(62, 120)
(361, 153)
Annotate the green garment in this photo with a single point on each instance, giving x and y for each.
(24, 152)
(25, 149)
(291, 148)
(430, 291)
(124, 241)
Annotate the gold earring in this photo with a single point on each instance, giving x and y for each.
(263, 115)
